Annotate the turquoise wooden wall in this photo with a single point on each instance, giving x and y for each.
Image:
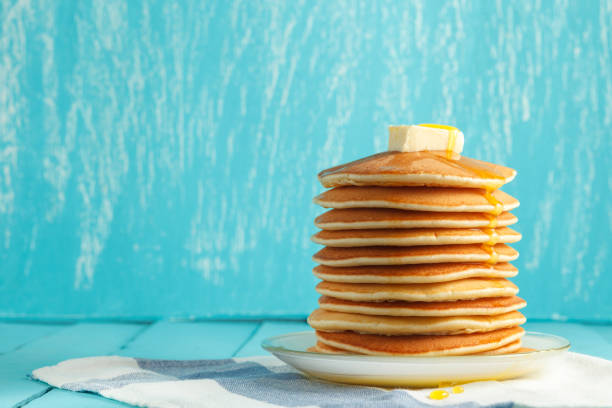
(159, 158)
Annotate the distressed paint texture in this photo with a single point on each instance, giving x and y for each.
(159, 158)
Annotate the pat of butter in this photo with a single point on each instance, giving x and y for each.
(417, 138)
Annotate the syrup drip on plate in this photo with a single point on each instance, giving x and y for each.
(438, 394)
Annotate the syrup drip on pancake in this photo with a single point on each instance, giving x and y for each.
(497, 205)
(489, 246)
(466, 164)
(470, 165)
(473, 166)
(488, 192)
(493, 236)
(492, 220)
(493, 256)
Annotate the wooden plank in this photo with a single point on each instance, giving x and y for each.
(190, 340)
(267, 329)
(14, 335)
(80, 340)
(584, 338)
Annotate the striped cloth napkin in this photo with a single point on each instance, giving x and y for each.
(576, 380)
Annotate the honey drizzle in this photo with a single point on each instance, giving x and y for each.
(493, 256)
(436, 126)
(497, 205)
(493, 236)
(462, 163)
(438, 394)
(452, 140)
(489, 246)
(492, 220)
(457, 389)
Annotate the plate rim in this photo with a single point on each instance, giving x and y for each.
(265, 344)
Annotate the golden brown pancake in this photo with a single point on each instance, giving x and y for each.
(419, 273)
(378, 218)
(379, 255)
(426, 168)
(514, 347)
(470, 288)
(415, 237)
(470, 307)
(403, 325)
(421, 345)
(415, 199)
(324, 348)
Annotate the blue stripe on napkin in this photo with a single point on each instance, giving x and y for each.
(283, 387)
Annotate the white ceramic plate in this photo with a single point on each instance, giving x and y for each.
(414, 371)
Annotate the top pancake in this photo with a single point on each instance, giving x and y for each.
(416, 199)
(378, 218)
(426, 168)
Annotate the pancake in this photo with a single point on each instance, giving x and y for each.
(471, 288)
(419, 273)
(368, 218)
(415, 237)
(406, 325)
(421, 345)
(472, 307)
(425, 168)
(514, 347)
(384, 255)
(324, 348)
(416, 199)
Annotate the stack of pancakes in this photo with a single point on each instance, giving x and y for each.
(415, 259)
